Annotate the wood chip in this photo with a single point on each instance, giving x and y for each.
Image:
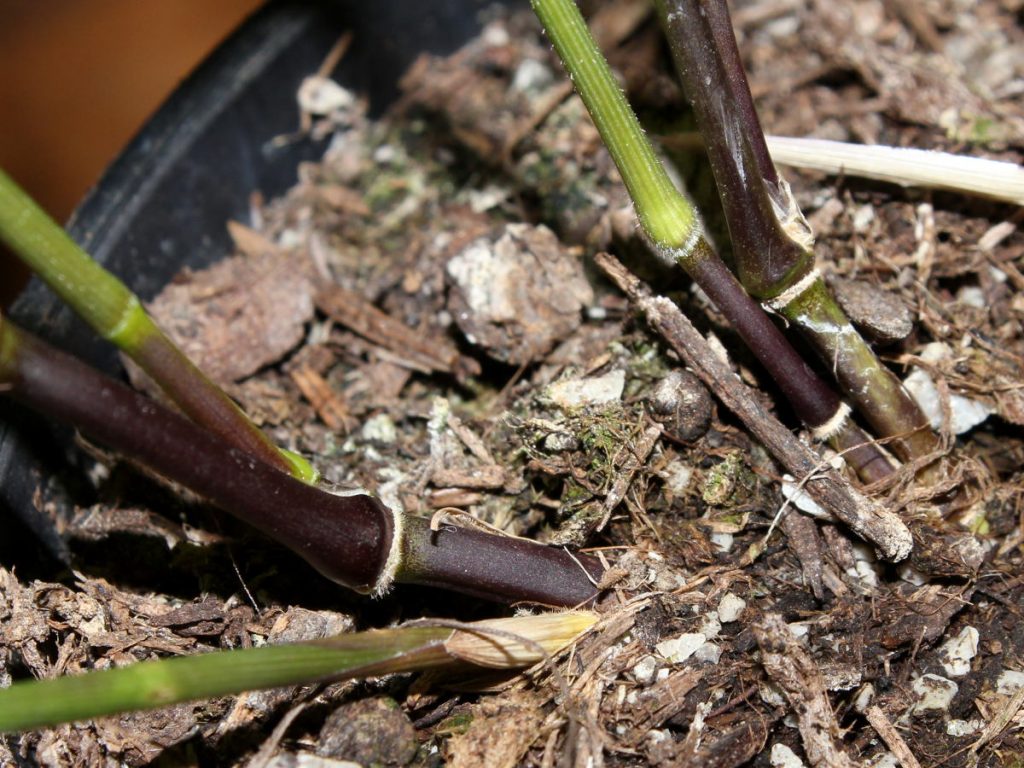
(488, 476)
(794, 671)
(406, 344)
(1001, 720)
(802, 536)
(329, 405)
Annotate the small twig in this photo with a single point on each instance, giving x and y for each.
(1000, 721)
(891, 736)
(266, 751)
(829, 488)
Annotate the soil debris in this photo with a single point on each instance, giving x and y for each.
(432, 313)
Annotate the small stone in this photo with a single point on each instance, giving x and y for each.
(784, 757)
(679, 649)
(556, 442)
(677, 477)
(730, 607)
(532, 76)
(885, 760)
(934, 692)
(881, 314)
(862, 218)
(960, 728)
(709, 652)
(771, 695)
(972, 296)
(801, 499)
(1009, 682)
(589, 392)
(380, 429)
(711, 625)
(966, 413)
(958, 651)
(643, 671)
(369, 732)
(682, 404)
(320, 95)
(722, 541)
(863, 698)
(308, 760)
(798, 629)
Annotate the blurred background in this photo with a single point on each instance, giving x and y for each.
(80, 77)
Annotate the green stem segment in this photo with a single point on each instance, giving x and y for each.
(668, 218)
(153, 684)
(511, 643)
(117, 315)
(352, 539)
(675, 233)
(771, 239)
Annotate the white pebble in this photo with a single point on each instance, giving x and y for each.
(721, 541)
(709, 652)
(771, 695)
(958, 651)
(1009, 682)
(380, 429)
(784, 757)
(679, 649)
(711, 625)
(961, 728)
(320, 96)
(643, 671)
(574, 394)
(800, 499)
(863, 698)
(934, 692)
(730, 607)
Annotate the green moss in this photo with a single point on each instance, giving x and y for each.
(728, 482)
(456, 725)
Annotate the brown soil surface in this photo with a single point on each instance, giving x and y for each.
(423, 317)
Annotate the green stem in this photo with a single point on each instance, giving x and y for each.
(872, 387)
(667, 217)
(510, 643)
(117, 315)
(152, 684)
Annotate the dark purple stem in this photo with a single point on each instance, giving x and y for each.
(813, 400)
(708, 62)
(346, 538)
(496, 567)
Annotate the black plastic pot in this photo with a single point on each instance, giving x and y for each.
(165, 201)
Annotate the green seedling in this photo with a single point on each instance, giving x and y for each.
(498, 644)
(353, 538)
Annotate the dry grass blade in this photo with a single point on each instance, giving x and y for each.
(905, 166)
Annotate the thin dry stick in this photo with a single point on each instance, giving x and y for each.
(891, 737)
(1001, 720)
(794, 671)
(828, 487)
